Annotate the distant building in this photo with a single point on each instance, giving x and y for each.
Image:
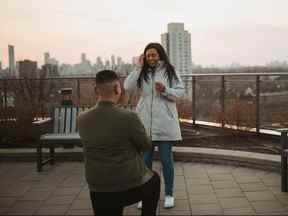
(50, 70)
(113, 62)
(177, 42)
(99, 63)
(53, 61)
(107, 64)
(84, 67)
(83, 57)
(49, 60)
(66, 96)
(12, 67)
(119, 61)
(278, 64)
(135, 60)
(46, 58)
(28, 69)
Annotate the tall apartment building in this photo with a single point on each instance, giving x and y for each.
(46, 58)
(177, 43)
(12, 66)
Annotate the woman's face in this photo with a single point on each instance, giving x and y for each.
(152, 57)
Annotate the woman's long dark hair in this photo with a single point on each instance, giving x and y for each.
(169, 72)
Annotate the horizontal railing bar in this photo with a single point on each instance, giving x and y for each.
(182, 75)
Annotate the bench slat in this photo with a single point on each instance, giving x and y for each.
(74, 120)
(62, 120)
(56, 120)
(68, 120)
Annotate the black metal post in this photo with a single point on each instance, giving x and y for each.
(257, 123)
(52, 154)
(283, 161)
(5, 94)
(39, 156)
(222, 99)
(194, 100)
(78, 92)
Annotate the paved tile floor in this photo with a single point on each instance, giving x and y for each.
(200, 189)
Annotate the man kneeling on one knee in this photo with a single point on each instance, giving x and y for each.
(114, 140)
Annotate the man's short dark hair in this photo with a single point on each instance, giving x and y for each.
(106, 76)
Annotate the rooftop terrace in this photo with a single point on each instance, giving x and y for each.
(200, 189)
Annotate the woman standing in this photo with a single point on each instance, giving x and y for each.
(160, 86)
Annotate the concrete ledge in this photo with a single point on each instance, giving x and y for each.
(229, 157)
(192, 154)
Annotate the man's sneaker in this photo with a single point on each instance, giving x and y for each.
(169, 202)
(139, 205)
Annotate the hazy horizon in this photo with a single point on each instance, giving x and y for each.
(249, 32)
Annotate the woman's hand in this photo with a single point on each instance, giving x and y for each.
(140, 60)
(160, 87)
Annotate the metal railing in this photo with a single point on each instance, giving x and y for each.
(209, 97)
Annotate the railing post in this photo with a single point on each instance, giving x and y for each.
(194, 99)
(78, 92)
(283, 159)
(257, 123)
(5, 94)
(186, 80)
(222, 99)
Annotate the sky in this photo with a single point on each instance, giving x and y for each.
(248, 32)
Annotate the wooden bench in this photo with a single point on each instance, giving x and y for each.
(64, 133)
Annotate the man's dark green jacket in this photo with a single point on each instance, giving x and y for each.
(113, 140)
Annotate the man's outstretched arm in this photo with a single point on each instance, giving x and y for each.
(138, 134)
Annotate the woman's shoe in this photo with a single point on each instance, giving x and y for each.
(139, 205)
(169, 201)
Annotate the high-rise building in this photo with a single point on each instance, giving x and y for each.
(119, 61)
(83, 57)
(12, 68)
(177, 42)
(28, 69)
(99, 63)
(46, 58)
(113, 62)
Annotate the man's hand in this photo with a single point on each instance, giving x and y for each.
(159, 87)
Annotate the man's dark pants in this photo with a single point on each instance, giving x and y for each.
(112, 203)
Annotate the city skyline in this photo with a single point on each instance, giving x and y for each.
(249, 32)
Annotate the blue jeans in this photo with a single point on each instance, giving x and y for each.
(166, 158)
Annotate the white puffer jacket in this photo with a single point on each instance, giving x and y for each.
(158, 112)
